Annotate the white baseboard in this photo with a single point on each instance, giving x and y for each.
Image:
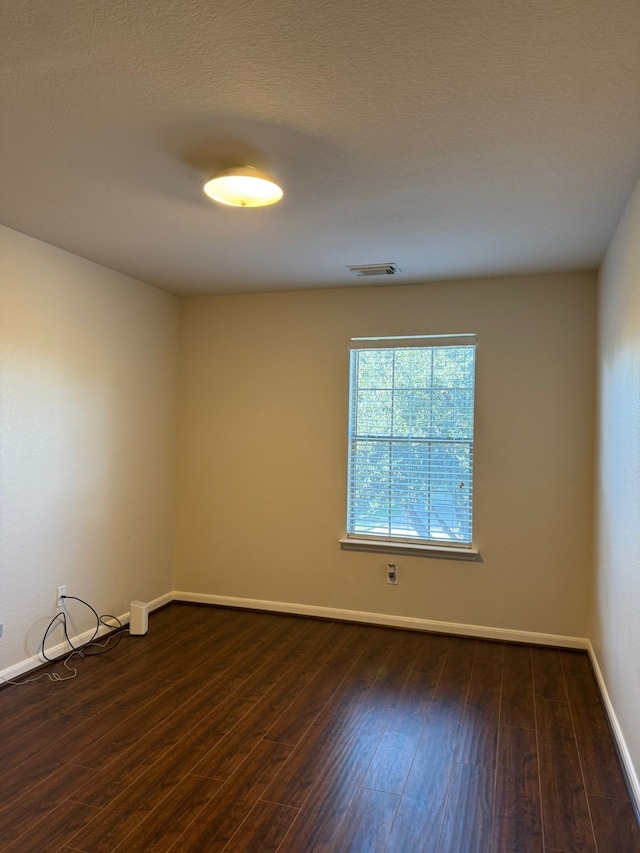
(481, 631)
(159, 602)
(623, 751)
(78, 640)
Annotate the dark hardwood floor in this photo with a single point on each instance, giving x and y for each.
(238, 731)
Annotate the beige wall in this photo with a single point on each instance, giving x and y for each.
(617, 619)
(262, 449)
(88, 368)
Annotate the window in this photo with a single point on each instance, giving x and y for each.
(411, 440)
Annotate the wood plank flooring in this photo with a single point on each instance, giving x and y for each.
(227, 730)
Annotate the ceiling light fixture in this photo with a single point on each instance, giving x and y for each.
(243, 186)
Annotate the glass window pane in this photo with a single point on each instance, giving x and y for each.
(375, 412)
(413, 368)
(375, 368)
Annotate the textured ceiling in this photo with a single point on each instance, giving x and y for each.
(453, 138)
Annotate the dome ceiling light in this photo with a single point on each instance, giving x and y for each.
(243, 186)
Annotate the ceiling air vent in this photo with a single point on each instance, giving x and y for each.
(375, 269)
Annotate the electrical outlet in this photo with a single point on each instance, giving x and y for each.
(62, 591)
(392, 573)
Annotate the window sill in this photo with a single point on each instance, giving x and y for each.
(446, 552)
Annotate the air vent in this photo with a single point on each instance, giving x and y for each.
(375, 269)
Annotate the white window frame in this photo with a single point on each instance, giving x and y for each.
(403, 544)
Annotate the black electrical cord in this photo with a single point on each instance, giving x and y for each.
(117, 631)
(81, 651)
